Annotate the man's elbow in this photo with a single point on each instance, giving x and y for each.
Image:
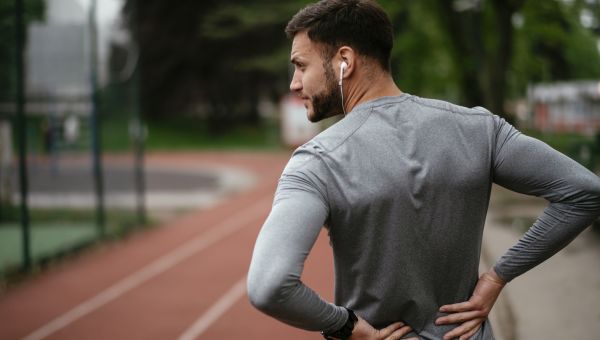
(265, 295)
(586, 193)
(594, 192)
(260, 297)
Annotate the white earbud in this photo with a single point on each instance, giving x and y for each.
(343, 66)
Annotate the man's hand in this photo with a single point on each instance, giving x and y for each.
(472, 314)
(364, 331)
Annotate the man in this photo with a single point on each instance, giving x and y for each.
(402, 184)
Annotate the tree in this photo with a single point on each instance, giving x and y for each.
(215, 58)
(553, 45)
(484, 52)
(481, 36)
(211, 58)
(421, 60)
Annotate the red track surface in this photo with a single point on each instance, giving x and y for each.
(151, 303)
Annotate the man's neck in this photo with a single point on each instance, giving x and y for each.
(372, 88)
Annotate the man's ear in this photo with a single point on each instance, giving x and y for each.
(346, 55)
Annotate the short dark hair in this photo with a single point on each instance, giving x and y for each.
(360, 24)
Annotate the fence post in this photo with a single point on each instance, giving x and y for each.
(95, 123)
(21, 132)
(140, 136)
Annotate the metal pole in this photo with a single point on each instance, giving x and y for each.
(95, 124)
(140, 136)
(139, 139)
(21, 132)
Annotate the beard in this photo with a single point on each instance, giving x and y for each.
(329, 102)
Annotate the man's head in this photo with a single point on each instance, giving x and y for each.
(330, 32)
(360, 24)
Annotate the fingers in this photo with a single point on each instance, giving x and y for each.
(384, 333)
(457, 307)
(399, 333)
(465, 330)
(470, 333)
(458, 317)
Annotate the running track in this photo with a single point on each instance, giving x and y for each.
(184, 280)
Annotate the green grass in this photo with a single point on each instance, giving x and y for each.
(55, 232)
(180, 133)
(194, 134)
(47, 240)
(188, 134)
(115, 219)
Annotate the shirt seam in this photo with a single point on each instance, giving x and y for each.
(360, 125)
(369, 112)
(473, 111)
(302, 166)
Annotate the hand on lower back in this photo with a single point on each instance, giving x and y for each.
(471, 314)
(364, 331)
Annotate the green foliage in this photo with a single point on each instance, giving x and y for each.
(185, 132)
(582, 47)
(189, 133)
(215, 58)
(546, 29)
(552, 45)
(421, 61)
(210, 57)
(230, 21)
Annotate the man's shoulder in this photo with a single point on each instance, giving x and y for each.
(304, 157)
(334, 136)
(442, 106)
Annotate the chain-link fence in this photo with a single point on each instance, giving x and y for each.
(61, 106)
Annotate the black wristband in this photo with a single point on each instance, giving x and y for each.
(346, 331)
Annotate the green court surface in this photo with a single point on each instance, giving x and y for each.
(46, 240)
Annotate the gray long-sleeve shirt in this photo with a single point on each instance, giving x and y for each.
(403, 185)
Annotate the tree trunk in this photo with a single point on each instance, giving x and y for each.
(501, 57)
(468, 54)
(482, 69)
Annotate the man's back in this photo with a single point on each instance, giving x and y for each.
(403, 185)
(407, 181)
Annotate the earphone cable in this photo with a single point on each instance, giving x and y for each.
(342, 92)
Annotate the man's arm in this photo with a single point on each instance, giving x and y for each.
(529, 166)
(286, 238)
(284, 242)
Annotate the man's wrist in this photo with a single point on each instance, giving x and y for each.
(346, 331)
(491, 275)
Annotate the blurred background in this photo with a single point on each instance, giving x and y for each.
(88, 88)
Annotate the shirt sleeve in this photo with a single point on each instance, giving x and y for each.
(529, 166)
(285, 240)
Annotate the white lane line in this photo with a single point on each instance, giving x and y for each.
(155, 268)
(215, 311)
